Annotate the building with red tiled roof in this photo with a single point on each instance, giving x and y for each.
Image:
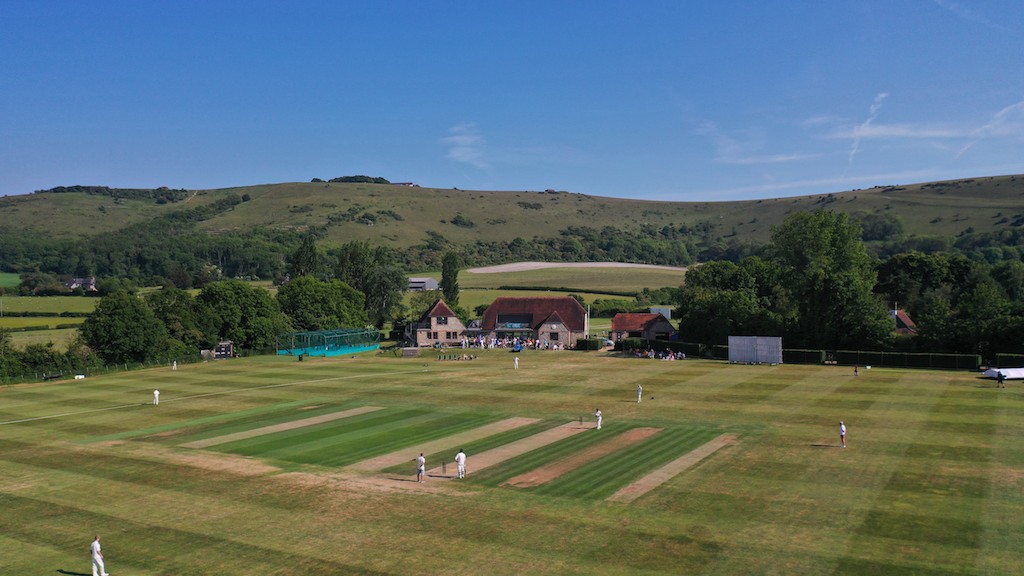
(904, 325)
(556, 321)
(653, 326)
(439, 326)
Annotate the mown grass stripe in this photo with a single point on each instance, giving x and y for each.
(652, 480)
(408, 438)
(281, 427)
(601, 478)
(483, 445)
(219, 417)
(444, 442)
(355, 427)
(497, 474)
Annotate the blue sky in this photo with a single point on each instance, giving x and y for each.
(674, 100)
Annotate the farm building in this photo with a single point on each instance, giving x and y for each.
(904, 325)
(438, 326)
(641, 325)
(421, 284)
(558, 321)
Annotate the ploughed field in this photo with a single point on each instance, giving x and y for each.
(269, 465)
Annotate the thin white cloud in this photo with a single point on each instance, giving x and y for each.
(836, 184)
(465, 144)
(730, 150)
(878, 131)
(1007, 122)
(876, 105)
(967, 14)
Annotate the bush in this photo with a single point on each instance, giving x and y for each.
(590, 344)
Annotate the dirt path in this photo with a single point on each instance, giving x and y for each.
(644, 485)
(396, 458)
(500, 454)
(207, 442)
(521, 266)
(548, 473)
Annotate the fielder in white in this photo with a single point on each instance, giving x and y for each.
(597, 414)
(515, 363)
(460, 460)
(156, 397)
(98, 569)
(639, 393)
(421, 468)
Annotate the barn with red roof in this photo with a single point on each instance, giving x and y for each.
(653, 326)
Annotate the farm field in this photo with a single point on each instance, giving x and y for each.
(597, 279)
(61, 338)
(49, 304)
(9, 280)
(470, 298)
(23, 321)
(271, 466)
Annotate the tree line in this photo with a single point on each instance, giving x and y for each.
(816, 285)
(354, 285)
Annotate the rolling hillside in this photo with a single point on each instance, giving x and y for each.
(401, 216)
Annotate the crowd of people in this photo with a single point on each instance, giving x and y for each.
(659, 355)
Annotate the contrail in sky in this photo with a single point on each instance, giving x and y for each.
(872, 113)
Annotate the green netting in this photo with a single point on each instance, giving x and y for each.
(328, 342)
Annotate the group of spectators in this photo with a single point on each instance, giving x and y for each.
(659, 355)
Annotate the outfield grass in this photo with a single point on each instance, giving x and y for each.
(932, 482)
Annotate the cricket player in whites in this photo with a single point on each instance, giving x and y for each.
(98, 569)
(639, 393)
(460, 461)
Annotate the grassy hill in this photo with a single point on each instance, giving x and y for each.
(400, 216)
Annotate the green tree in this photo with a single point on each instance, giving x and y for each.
(305, 261)
(123, 329)
(421, 301)
(377, 274)
(718, 300)
(10, 357)
(43, 358)
(315, 305)
(450, 265)
(1010, 275)
(829, 276)
(907, 279)
(176, 308)
(236, 311)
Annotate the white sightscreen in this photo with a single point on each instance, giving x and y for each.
(755, 349)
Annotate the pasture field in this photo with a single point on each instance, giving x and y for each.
(23, 321)
(471, 298)
(61, 338)
(9, 280)
(271, 466)
(49, 304)
(596, 279)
